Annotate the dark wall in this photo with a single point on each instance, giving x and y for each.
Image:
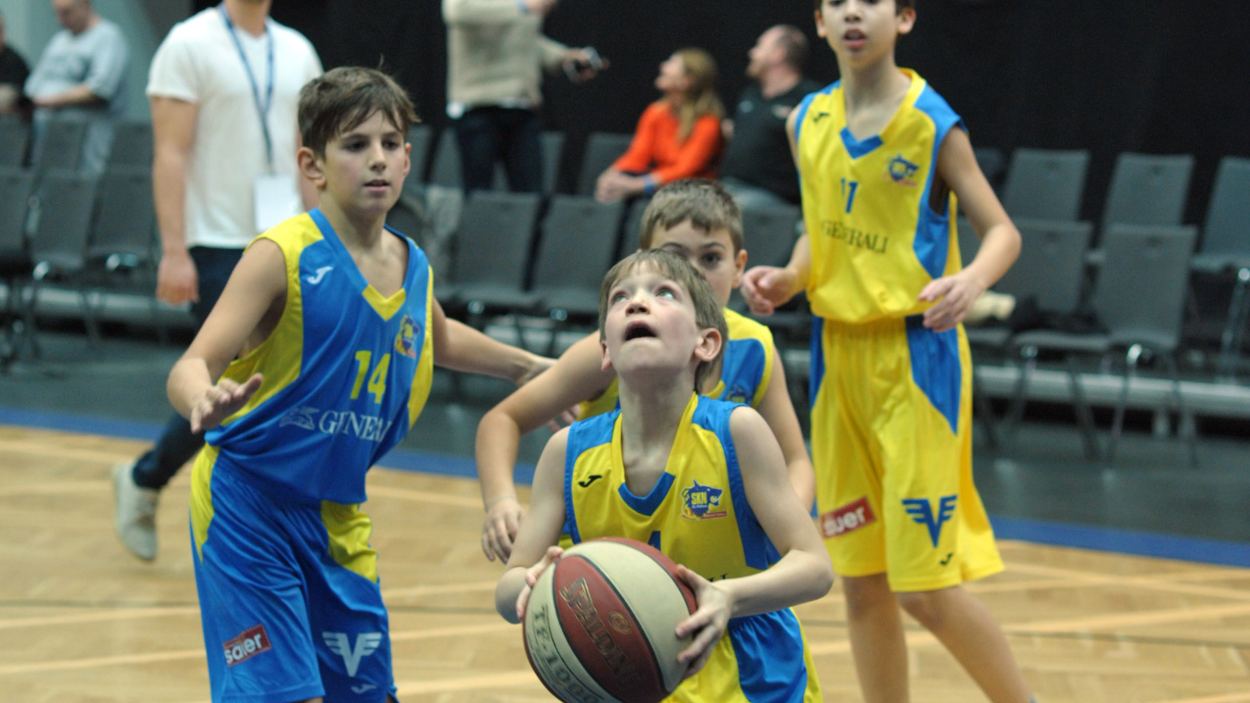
(1151, 75)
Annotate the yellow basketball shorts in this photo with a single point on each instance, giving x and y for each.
(892, 448)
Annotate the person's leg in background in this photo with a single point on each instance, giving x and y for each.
(478, 134)
(137, 485)
(523, 150)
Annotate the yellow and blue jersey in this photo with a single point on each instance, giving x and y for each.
(877, 235)
(698, 514)
(746, 368)
(346, 371)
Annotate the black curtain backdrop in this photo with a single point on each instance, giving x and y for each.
(1156, 76)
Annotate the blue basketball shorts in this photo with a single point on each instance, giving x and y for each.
(290, 601)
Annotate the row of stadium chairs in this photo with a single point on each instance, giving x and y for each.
(524, 255)
(1136, 299)
(62, 143)
(86, 232)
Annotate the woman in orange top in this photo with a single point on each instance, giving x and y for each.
(678, 136)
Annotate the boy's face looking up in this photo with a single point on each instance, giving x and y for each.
(363, 169)
(861, 32)
(650, 324)
(711, 253)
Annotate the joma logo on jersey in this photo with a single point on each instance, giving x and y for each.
(406, 340)
(246, 645)
(848, 518)
(701, 502)
(902, 171)
(921, 512)
(339, 642)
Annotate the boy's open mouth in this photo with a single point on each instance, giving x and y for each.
(638, 330)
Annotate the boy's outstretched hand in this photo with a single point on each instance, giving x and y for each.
(954, 295)
(531, 577)
(499, 529)
(766, 288)
(221, 401)
(707, 624)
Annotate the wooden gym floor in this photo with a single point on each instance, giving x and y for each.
(81, 620)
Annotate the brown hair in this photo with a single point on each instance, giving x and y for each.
(701, 100)
(794, 43)
(344, 98)
(706, 204)
(707, 311)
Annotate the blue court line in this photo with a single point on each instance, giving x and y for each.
(1107, 539)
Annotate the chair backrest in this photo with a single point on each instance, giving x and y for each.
(1140, 291)
(419, 138)
(631, 231)
(495, 237)
(1226, 229)
(59, 145)
(125, 218)
(13, 137)
(552, 149)
(602, 148)
(15, 190)
(1050, 265)
(132, 144)
(1147, 189)
(769, 233)
(445, 169)
(577, 245)
(1045, 184)
(992, 163)
(66, 201)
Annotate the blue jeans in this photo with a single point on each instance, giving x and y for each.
(177, 444)
(513, 136)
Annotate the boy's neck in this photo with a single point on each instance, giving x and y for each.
(651, 408)
(354, 229)
(872, 84)
(248, 16)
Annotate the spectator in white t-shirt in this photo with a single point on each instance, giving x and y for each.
(224, 89)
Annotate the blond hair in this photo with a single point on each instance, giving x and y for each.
(701, 98)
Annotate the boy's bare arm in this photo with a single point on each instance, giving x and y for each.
(540, 531)
(1000, 241)
(257, 285)
(459, 347)
(778, 411)
(576, 376)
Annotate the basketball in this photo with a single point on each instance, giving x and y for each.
(599, 624)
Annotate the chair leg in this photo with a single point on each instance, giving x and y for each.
(89, 316)
(985, 411)
(1131, 357)
(1026, 357)
(1185, 423)
(1084, 416)
(1234, 326)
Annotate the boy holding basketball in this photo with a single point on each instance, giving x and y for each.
(699, 221)
(702, 480)
(880, 157)
(315, 361)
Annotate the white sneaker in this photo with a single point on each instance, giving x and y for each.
(134, 512)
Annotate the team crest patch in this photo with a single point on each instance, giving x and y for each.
(406, 340)
(736, 394)
(699, 502)
(902, 171)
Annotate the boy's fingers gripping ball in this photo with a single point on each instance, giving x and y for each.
(600, 623)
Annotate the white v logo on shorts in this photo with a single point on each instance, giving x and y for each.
(366, 643)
